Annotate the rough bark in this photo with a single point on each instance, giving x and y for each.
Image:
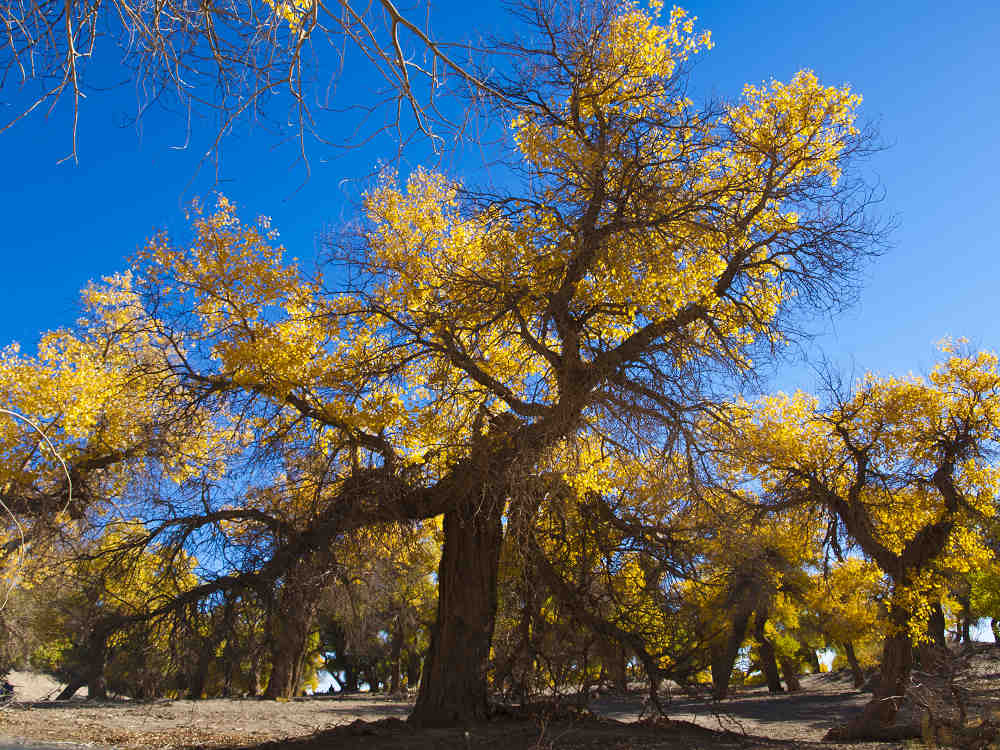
(613, 658)
(852, 661)
(291, 622)
(453, 684)
(965, 624)
(897, 661)
(97, 655)
(289, 640)
(198, 678)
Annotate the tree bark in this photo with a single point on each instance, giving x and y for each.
(614, 660)
(291, 622)
(453, 684)
(852, 660)
(97, 654)
(288, 649)
(965, 623)
(768, 664)
(724, 657)
(897, 661)
(995, 627)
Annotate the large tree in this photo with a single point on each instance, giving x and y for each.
(646, 250)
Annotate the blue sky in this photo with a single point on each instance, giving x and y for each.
(928, 80)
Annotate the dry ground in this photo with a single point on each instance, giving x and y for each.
(750, 719)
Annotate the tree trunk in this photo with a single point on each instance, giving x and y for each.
(412, 669)
(199, 676)
(350, 678)
(852, 660)
(71, 689)
(613, 658)
(995, 627)
(897, 661)
(724, 657)
(97, 655)
(288, 647)
(965, 623)
(936, 626)
(790, 672)
(395, 657)
(453, 684)
(291, 623)
(768, 664)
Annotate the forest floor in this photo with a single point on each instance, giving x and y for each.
(750, 719)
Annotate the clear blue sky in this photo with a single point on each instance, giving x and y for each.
(928, 77)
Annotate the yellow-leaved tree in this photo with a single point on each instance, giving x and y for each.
(905, 465)
(646, 249)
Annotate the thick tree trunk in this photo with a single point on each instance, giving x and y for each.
(453, 684)
(852, 660)
(291, 622)
(614, 659)
(97, 654)
(965, 623)
(350, 678)
(724, 657)
(897, 661)
(288, 647)
(199, 676)
(768, 664)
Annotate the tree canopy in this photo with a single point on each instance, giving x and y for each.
(555, 370)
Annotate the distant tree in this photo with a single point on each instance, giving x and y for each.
(906, 465)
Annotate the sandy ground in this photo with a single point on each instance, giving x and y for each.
(791, 720)
(227, 722)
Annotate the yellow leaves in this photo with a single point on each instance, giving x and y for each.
(801, 124)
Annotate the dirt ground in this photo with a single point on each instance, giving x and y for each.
(365, 721)
(751, 719)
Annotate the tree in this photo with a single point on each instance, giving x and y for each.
(650, 249)
(92, 627)
(233, 61)
(905, 464)
(844, 604)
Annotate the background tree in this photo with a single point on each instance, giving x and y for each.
(905, 464)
